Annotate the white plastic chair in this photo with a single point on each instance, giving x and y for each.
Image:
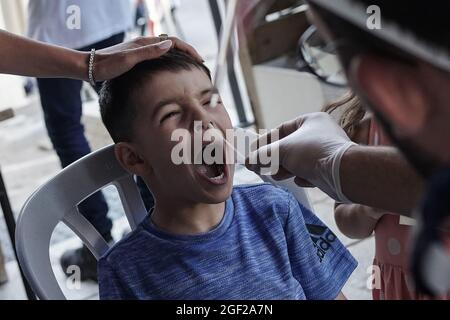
(57, 200)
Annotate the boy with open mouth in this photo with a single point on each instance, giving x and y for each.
(205, 239)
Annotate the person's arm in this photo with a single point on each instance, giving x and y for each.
(318, 152)
(380, 177)
(21, 56)
(356, 221)
(25, 57)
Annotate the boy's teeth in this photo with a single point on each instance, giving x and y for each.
(219, 177)
(211, 171)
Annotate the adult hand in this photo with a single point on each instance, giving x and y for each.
(25, 57)
(310, 148)
(116, 60)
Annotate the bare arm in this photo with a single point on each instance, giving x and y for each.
(25, 57)
(356, 221)
(313, 146)
(21, 56)
(380, 177)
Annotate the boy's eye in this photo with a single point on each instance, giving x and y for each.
(208, 103)
(169, 115)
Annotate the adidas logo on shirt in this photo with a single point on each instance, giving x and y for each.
(322, 239)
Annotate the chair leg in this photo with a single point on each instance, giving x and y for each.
(11, 226)
(3, 274)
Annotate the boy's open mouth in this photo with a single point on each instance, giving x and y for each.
(215, 173)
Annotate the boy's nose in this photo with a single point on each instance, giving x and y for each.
(200, 126)
(200, 116)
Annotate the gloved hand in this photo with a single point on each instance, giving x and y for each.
(311, 148)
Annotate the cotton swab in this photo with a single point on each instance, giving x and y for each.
(240, 158)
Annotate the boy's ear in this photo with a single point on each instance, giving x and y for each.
(129, 159)
(395, 90)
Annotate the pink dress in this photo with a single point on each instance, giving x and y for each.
(392, 250)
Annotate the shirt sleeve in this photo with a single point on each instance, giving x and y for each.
(319, 261)
(110, 287)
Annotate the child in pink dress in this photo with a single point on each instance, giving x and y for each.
(392, 280)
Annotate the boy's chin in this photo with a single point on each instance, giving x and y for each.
(218, 195)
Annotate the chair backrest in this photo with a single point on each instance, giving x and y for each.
(57, 201)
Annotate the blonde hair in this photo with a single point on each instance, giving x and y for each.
(352, 115)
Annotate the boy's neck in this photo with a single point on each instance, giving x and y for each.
(188, 219)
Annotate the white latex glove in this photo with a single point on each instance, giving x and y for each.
(310, 148)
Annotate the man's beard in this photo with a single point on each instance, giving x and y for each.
(432, 212)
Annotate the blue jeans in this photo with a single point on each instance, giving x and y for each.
(62, 106)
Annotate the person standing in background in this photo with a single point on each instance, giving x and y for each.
(82, 25)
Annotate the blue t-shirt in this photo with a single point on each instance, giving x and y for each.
(267, 246)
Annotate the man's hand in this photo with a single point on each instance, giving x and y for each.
(116, 60)
(25, 57)
(310, 148)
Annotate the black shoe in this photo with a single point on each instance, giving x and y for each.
(82, 258)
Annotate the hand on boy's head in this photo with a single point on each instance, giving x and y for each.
(126, 55)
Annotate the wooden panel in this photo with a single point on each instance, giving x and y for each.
(285, 94)
(276, 38)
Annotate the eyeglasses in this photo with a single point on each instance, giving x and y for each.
(320, 58)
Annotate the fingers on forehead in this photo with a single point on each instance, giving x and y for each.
(183, 46)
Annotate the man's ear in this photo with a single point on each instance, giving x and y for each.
(394, 89)
(130, 159)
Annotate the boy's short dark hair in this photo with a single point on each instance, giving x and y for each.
(117, 106)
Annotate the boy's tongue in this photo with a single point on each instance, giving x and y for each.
(210, 171)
